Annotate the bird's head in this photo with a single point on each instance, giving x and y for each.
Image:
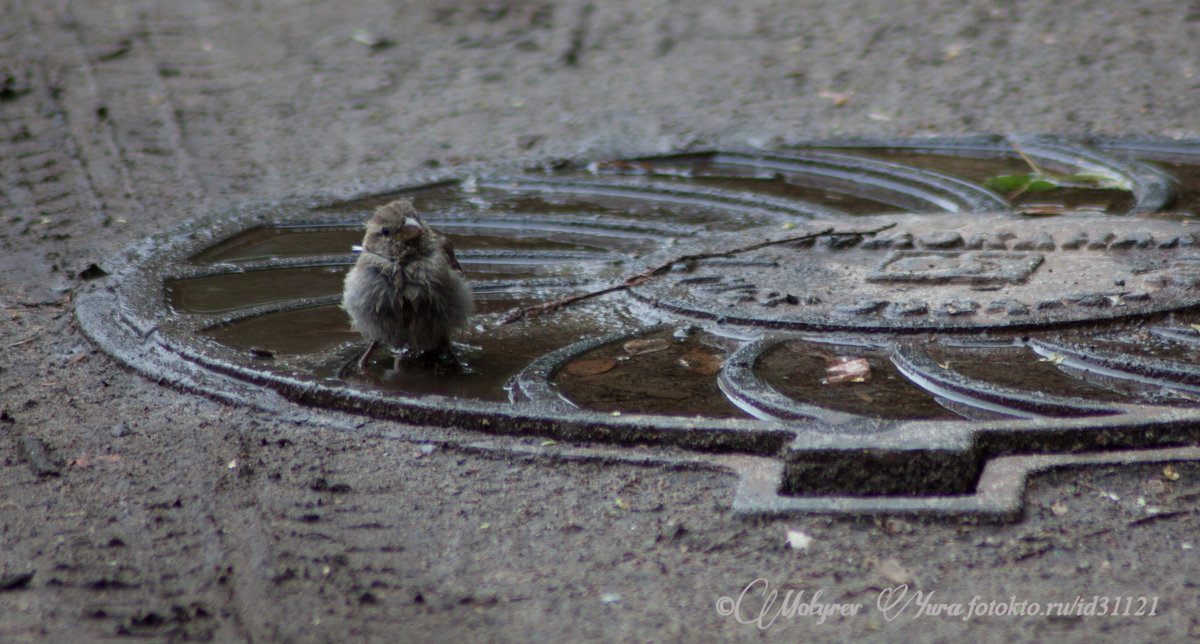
(395, 230)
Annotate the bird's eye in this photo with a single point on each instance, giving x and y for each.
(386, 232)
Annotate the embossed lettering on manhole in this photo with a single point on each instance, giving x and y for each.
(979, 268)
(749, 322)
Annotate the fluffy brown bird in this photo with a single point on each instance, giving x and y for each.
(406, 290)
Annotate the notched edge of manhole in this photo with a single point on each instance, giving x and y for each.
(115, 312)
(999, 494)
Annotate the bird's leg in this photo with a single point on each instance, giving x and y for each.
(441, 358)
(362, 362)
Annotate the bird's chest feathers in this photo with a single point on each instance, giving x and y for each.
(401, 285)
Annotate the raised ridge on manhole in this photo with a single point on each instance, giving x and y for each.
(851, 326)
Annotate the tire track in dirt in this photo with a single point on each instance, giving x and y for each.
(130, 98)
(44, 191)
(122, 542)
(96, 151)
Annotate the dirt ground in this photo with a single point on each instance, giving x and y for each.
(178, 517)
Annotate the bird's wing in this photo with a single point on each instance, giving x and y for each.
(448, 250)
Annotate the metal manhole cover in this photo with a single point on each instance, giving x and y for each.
(922, 343)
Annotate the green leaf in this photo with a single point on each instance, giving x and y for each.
(1040, 183)
(1035, 182)
(1022, 183)
(1007, 182)
(1091, 180)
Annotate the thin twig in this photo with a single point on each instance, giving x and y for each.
(641, 277)
(1033, 166)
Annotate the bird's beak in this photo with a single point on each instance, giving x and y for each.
(410, 230)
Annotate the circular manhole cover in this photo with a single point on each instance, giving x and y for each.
(852, 327)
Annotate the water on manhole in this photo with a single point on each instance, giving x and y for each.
(670, 372)
(270, 291)
(1187, 194)
(806, 372)
(1019, 367)
(490, 359)
(725, 173)
(988, 165)
(233, 291)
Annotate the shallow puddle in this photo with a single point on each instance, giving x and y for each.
(1018, 368)
(1187, 190)
(983, 168)
(656, 373)
(726, 173)
(293, 332)
(808, 372)
(232, 291)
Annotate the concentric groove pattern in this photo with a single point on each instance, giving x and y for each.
(1020, 403)
(857, 326)
(889, 183)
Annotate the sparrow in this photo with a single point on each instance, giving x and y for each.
(406, 290)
